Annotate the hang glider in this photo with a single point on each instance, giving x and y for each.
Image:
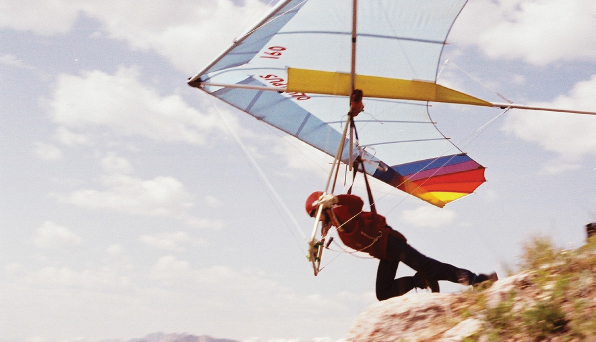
(296, 69)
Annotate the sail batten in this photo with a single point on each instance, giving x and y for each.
(365, 35)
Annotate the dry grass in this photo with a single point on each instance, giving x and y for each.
(558, 303)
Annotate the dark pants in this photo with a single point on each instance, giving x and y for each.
(427, 268)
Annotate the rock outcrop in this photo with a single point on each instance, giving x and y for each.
(553, 299)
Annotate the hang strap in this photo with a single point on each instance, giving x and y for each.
(357, 163)
(371, 201)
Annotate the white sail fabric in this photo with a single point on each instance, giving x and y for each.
(395, 38)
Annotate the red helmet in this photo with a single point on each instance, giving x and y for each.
(313, 201)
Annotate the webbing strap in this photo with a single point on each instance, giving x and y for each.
(371, 201)
(358, 162)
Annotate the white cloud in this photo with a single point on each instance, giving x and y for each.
(12, 60)
(489, 195)
(537, 31)
(87, 279)
(183, 33)
(225, 288)
(174, 293)
(47, 151)
(41, 17)
(170, 241)
(114, 250)
(214, 224)
(571, 136)
(52, 235)
(301, 156)
(190, 33)
(171, 270)
(427, 216)
(69, 138)
(213, 202)
(116, 165)
(161, 196)
(127, 106)
(558, 166)
(13, 267)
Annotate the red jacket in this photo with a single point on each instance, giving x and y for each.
(361, 230)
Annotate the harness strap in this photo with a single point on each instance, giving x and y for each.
(371, 202)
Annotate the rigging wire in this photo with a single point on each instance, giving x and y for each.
(313, 157)
(482, 128)
(262, 175)
(476, 79)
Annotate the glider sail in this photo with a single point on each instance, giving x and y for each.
(293, 71)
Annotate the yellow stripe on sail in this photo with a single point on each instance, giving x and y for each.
(440, 198)
(436, 198)
(334, 83)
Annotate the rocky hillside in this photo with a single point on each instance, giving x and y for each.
(552, 298)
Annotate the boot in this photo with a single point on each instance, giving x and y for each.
(424, 283)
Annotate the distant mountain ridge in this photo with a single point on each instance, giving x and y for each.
(161, 337)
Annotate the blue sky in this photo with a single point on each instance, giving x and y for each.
(128, 207)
